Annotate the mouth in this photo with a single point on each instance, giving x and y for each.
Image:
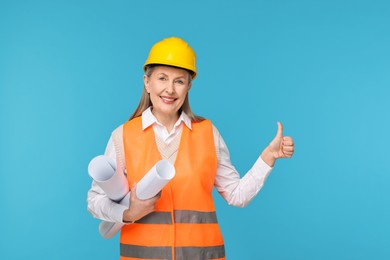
(168, 100)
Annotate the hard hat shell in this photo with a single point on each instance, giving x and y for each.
(175, 52)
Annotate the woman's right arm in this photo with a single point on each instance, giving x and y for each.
(99, 205)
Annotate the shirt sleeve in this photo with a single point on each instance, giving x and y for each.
(99, 205)
(235, 190)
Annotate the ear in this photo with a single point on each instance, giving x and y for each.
(146, 83)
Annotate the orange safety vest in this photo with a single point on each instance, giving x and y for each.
(184, 224)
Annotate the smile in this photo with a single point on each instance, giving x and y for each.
(168, 100)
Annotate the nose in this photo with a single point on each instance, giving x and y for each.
(170, 88)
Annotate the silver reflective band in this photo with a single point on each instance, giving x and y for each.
(181, 216)
(199, 253)
(195, 217)
(156, 218)
(148, 252)
(181, 253)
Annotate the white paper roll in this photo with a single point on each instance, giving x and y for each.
(153, 182)
(103, 171)
(114, 183)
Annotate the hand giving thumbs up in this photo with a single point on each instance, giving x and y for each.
(280, 147)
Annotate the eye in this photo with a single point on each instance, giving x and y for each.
(162, 78)
(180, 82)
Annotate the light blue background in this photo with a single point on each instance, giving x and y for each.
(71, 71)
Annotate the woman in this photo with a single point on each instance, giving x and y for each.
(179, 223)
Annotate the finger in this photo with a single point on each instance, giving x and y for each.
(134, 191)
(153, 200)
(288, 149)
(289, 153)
(280, 130)
(158, 195)
(287, 140)
(288, 143)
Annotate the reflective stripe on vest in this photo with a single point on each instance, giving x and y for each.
(190, 253)
(180, 216)
(184, 224)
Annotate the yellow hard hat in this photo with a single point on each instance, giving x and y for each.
(175, 52)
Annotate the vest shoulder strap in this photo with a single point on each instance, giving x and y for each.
(117, 137)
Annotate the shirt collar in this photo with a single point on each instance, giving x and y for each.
(149, 119)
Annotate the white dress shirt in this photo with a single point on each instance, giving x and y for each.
(235, 190)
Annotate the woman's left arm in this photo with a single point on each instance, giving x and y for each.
(240, 191)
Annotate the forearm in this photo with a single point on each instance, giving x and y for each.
(240, 191)
(235, 190)
(101, 207)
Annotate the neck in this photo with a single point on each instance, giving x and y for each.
(166, 120)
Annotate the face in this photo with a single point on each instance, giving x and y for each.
(168, 88)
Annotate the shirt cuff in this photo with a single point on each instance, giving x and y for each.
(117, 212)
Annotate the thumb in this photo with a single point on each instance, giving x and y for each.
(280, 130)
(133, 191)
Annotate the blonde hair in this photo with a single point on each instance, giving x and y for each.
(145, 101)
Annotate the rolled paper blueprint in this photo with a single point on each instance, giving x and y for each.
(102, 170)
(113, 182)
(148, 187)
(155, 180)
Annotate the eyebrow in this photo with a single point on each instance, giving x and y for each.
(163, 74)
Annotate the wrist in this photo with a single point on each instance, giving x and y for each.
(128, 217)
(268, 157)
